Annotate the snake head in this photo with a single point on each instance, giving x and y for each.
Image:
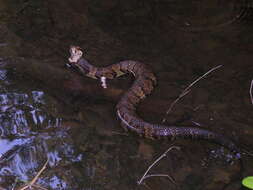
(75, 54)
(77, 62)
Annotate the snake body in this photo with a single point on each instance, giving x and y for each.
(143, 85)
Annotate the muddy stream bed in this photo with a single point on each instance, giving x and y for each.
(49, 112)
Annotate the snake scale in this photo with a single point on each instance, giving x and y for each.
(143, 85)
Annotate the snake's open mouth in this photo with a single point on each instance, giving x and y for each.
(75, 54)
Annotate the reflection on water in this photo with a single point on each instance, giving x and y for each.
(19, 111)
(3, 74)
(29, 136)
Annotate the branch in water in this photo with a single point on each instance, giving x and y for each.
(187, 90)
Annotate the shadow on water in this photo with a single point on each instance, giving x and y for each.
(50, 112)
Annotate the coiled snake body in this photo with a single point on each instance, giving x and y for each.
(143, 85)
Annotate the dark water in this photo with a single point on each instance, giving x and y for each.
(48, 112)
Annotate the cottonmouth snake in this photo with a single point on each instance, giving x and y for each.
(143, 85)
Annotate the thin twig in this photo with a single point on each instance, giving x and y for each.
(32, 183)
(160, 175)
(39, 173)
(146, 186)
(247, 152)
(14, 185)
(250, 91)
(174, 102)
(154, 163)
(188, 89)
(198, 79)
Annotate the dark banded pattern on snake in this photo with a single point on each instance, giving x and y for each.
(143, 85)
